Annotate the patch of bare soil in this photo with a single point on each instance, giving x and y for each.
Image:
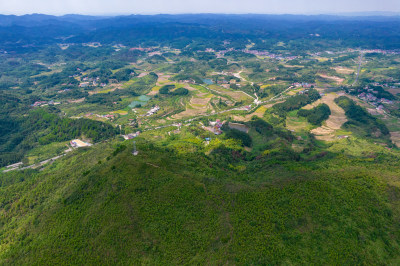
(335, 120)
(162, 79)
(198, 105)
(344, 70)
(334, 78)
(394, 91)
(143, 74)
(395, 137)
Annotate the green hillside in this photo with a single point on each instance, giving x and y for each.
(104, 206)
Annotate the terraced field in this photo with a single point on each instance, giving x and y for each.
(198, 104)
(333, 123)
(235, 95)
(259, 112)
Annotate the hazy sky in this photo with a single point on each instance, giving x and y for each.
(105, 7)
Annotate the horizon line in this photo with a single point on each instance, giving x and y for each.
(346, 14)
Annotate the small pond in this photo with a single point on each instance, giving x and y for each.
(142, 100)
(208, 81)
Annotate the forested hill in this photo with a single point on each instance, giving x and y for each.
(41, 127)
(177, 30)
(199, 139)
(105, 206)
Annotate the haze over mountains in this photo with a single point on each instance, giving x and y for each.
(37, 29)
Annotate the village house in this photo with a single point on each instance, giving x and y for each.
(39, 103)
(77, 143)
(216, 127)
(153, 110)
(83, 84)
(131, 135)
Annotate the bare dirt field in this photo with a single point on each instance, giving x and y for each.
(199, 104)
(163, 79)
(395, 137)
(143, 74)
(259, 112)
(344, 70)
(201, 99)
(154, 91)
(394, 91)
(110, 88)
(236, 95)
(334, 122)
(334, 78)
(77, 101)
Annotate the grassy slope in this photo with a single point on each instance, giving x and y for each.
(160, 207)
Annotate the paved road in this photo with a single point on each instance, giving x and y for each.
(33, 166)
(358, 69)
(37, 165)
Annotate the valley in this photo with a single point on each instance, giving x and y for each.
(199, 139)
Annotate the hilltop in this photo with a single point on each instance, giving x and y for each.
(104, 205)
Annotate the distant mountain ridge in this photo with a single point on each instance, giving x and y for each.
(30, 20)
(378, 32)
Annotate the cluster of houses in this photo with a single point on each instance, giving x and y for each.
(64, 90)
(108, 116)
(216, 126)
(92, 44)
(350, 50)
(372, 99)
(255, 52)
(368, 94)
(222, 81)
(153, 110)
(269, 55)
(84, 84)
(91, 81)
(222, 53)
(380, 51)
(303, 84)
(39, 103)
(141, 49)
(132, 122)
(386, 85)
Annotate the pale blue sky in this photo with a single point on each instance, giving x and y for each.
(113, 7)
